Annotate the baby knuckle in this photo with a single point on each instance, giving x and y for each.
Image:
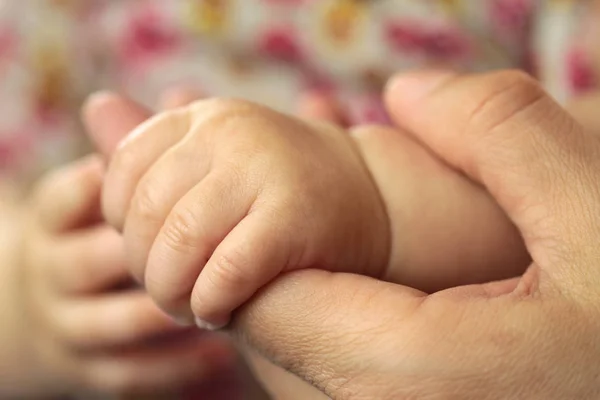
(512, 77)
(222, 116)
(182, 231)
(229, 270)
(125, 158)
(145, 204)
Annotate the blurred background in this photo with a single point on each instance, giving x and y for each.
(54, 53)
(339, 53)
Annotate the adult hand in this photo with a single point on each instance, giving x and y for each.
(531, 337)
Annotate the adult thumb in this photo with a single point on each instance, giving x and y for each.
(108, 118)
(506, 133)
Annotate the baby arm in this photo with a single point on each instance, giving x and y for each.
(445, 230)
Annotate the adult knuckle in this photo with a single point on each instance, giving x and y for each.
(503, 96)
(512, 76)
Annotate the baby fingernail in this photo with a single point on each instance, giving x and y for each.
(200, 323)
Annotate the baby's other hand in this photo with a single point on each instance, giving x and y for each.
(87, 334)
(218, 198)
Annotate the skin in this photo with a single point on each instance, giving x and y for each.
(259, 317)
(109, 118)
(68, 324)
(533, 337)
(250, 197)
(80, 334)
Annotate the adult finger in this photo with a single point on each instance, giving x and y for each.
(320, 325)
(505, 132)
(108, 118)
(591, 34)
(344, 333)
(69, 197)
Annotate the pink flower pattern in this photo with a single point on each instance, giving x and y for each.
(147, 36)
(580, 73)
(510, 16)
(281, 44)
(438, 43)
(278, 45)
(8, 43)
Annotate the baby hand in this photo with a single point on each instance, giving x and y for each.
(218, 198)
(86, 334)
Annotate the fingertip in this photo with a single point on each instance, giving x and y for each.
(211, 326)
(109, 117)
(97, 100)
(179, 96)
(93, 113)
(406, 88)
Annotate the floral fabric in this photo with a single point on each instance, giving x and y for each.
(53, 53)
